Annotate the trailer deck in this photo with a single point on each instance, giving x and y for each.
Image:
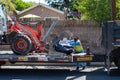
(9, 56)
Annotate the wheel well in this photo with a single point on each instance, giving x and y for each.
(115, 52)
(115, 55)
(12, 35)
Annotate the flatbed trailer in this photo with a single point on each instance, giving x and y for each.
(10, 57)
(23, 40)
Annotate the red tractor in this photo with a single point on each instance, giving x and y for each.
(24, 39)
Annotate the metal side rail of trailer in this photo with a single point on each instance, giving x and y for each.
(9, 57)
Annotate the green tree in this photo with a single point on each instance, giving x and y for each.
(61, 4)
(58, 4)
(118, 9)
(21, 5)
(9, 6)
(97, 10)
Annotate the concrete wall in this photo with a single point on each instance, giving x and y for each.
(89, 32)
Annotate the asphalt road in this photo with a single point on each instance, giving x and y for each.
(90, 73)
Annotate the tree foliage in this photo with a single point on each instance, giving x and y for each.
(21, 5)
(97, 10)
(118, 9)
(58, 4)
(9, 6)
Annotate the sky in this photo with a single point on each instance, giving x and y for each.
(37, 1)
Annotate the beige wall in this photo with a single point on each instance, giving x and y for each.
(89, 33)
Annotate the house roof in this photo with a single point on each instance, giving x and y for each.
(43, 5)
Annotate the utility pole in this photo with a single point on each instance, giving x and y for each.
(113, 9)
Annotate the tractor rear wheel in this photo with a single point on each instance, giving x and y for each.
(21, 45)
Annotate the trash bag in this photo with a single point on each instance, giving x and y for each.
(65, 49)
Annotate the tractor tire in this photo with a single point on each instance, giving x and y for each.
(21, 45)
(117, 61)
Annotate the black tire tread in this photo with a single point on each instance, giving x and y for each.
(28, 48)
